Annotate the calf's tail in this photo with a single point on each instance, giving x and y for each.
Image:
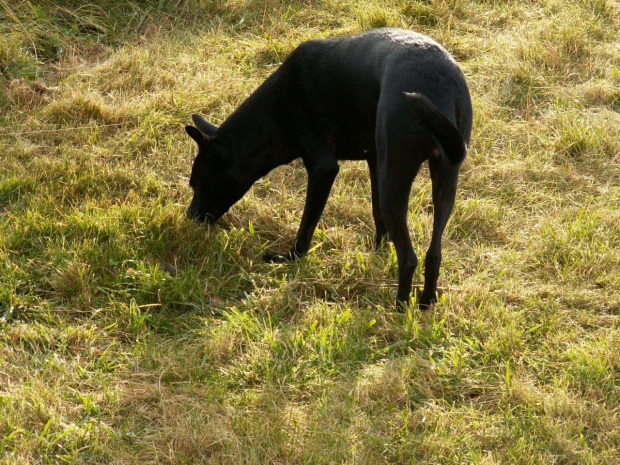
(448, 138)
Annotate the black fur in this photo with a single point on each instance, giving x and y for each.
(391, 97)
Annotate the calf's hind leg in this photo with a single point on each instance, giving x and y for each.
(381, 235)
(396, 171)
(444, 178)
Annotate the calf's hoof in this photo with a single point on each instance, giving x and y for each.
(273, 257)
(401, 306)
(426, 300)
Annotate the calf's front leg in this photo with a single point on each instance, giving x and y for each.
(321, 177)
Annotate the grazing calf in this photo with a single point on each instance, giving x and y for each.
(391, 97)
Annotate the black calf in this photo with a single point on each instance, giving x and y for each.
(391, 97)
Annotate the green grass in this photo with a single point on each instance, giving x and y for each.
(131, 335)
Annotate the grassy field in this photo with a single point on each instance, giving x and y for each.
(131, 335)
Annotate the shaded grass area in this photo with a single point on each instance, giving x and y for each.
(129, 335)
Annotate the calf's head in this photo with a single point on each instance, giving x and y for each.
(214, 179)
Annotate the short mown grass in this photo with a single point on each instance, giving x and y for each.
(131, 335)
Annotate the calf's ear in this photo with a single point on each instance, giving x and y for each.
(204, 126)
(218, 159)
(195, 134)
